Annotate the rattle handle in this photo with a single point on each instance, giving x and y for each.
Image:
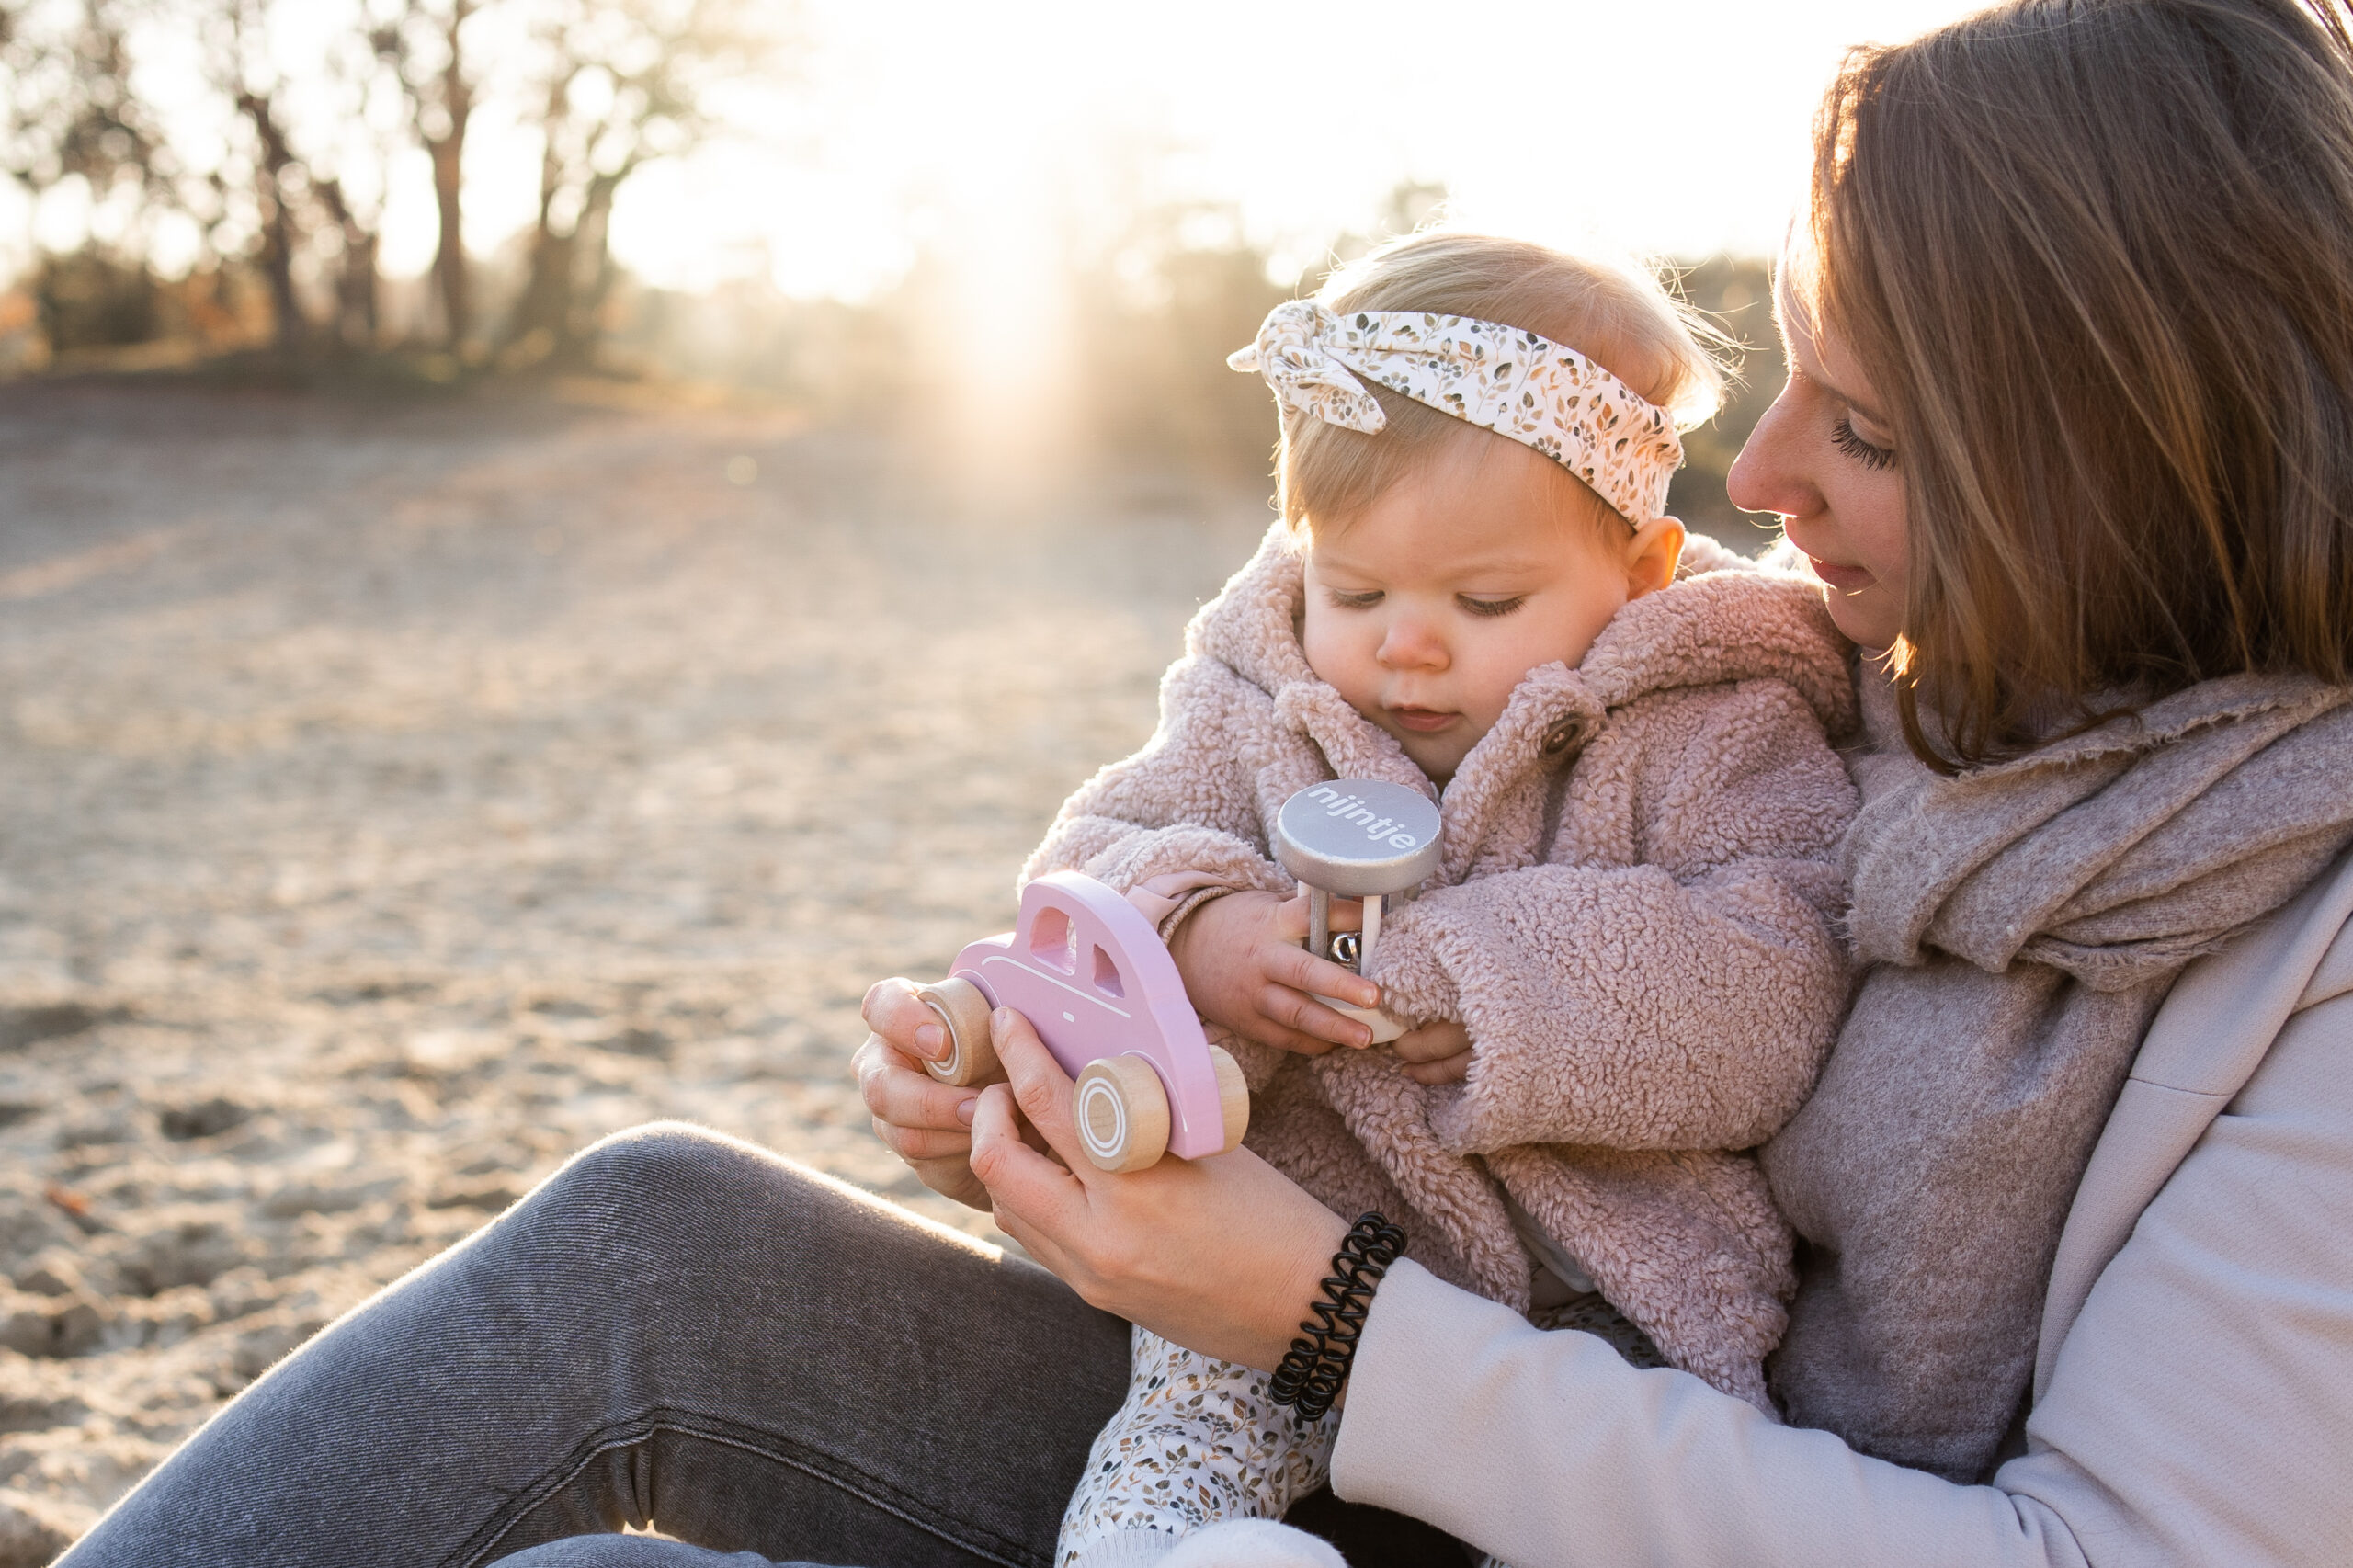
(1319, 923)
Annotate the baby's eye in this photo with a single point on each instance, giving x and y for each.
(1476, 605)
(1354, 601)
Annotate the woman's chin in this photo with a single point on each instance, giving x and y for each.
(1867, 618)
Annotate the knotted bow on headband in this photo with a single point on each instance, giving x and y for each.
(1511, 381)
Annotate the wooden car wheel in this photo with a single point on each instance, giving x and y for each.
(971, 1058)
(1122, 1113)
(1233, 1096)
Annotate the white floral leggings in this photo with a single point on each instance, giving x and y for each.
(1197, 1440)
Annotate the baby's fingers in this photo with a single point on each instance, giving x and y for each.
(1448, 1070)
(1433, 1042)
(1303, 1015)
(1303, 971)
(1291, 917)
(1435, 1053)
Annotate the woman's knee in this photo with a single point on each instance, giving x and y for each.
(669, 1189)
(654, 1159)
(627, 1552)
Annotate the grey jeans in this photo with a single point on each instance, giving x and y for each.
(679, 1330)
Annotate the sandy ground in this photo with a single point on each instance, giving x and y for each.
(393, 799)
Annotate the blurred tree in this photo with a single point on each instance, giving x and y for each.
(92, 299)
(424, 42)
(622, 83)
(312, 153)
(71, 112)
(366, 132)
(239, 63)
(71, 115)
(1156, 316)
(1736, 294)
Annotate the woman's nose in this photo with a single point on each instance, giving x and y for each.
(1771, 473)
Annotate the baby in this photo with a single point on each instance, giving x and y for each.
(1627, 967)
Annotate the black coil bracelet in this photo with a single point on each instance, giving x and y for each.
(1313, 1372)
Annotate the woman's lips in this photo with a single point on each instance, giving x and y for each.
(1846, 579)
(1421, 721)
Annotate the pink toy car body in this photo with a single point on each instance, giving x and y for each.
(1093, 978)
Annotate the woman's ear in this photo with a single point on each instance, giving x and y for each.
(1652, 556)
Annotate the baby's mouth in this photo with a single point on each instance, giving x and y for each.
(1422, 721)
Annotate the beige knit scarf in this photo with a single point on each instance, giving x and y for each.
(2021, 924)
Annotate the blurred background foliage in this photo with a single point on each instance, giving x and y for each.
(248, 248)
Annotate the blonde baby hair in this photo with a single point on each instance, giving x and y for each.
(1621, 319)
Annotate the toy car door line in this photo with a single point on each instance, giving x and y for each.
(1094, 980)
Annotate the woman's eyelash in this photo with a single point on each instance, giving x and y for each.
(1843, 436)
(1491, 606)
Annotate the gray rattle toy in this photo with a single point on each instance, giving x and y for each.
(1355, 838)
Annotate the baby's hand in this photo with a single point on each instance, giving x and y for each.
(1244, 967)
(1435, 1053)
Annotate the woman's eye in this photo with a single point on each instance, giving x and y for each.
(1354, 601)
(1490, 607)
(1843, 436)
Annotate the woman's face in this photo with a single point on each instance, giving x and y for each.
(1825, 458)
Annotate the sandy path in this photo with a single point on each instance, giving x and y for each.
(392, 800)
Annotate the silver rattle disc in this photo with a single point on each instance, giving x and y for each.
(1358, 837)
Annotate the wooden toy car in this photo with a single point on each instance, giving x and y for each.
(1092, 977)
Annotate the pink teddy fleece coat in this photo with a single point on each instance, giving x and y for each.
(1635, 919)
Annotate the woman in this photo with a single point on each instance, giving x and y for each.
(2069, 432)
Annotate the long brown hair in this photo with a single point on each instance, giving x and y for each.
(2097, 258)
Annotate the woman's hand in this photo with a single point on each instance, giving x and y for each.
(1244, 967)
(925, 1122)
(1222, 1255)
(1435, 1053)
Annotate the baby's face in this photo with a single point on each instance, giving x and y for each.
(1426, 608)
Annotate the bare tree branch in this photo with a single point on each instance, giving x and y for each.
(623, 83)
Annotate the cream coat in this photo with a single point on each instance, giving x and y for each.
(2193, 1383)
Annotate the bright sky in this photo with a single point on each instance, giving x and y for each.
(995, 129)
(1664, 125)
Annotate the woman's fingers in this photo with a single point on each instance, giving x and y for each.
(893, 1010)
(1040, 1088)
(1030, 1181)
(1033, 1189)
(919, 1119)
(902, 1094)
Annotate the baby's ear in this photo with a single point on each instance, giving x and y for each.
(1652, 556)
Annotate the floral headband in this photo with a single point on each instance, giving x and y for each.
(1511, 381)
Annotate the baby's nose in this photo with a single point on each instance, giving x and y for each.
(1413, 643)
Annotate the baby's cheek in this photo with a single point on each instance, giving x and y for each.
(1324, 637)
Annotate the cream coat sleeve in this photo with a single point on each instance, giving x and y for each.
(2196, 1413)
